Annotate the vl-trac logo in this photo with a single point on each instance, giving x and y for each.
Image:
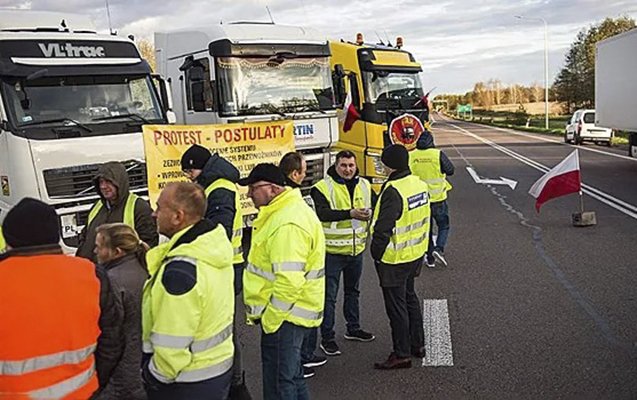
(68, 50)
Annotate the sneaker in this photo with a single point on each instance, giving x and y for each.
(440, 257)
(431, 262)
(316, 361)
(360, 335)
(330, 348)
(308, 372)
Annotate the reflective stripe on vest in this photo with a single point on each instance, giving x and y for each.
(237, 221)
(43, 362)
(347, 237)
(410, 237)
(425, 164)
(129, 211)
(182, 342)
(289, 266)
(295, 310)
(194, 375)
(66, 387)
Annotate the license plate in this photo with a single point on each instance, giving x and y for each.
(69, 226)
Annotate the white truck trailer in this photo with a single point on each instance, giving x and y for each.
(616, 85)
(70, 99)
(249, 72)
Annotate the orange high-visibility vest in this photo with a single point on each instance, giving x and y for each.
(49, 311)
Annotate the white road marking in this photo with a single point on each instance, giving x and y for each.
(597, 194)
(502, 181)
(438, 351)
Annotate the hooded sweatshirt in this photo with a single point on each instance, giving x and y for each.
(221, 202)
(111, 213)
(426, 141)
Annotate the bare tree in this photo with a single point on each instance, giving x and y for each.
(147, 50)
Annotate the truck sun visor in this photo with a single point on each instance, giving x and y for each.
(225, 48)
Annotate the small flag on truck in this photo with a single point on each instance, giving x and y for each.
(349, 114)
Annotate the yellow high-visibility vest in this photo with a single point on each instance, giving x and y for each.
(129, 211)
(425, 164)
(410, 238)
(346, 237)
(237, 222)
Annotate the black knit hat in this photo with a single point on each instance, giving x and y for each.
(31, 223)
(195, 157)
(395, 157)
(267, 172)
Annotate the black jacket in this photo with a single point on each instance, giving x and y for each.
(322, 205)
(127, 276)
(426, 141)
(221, 202)
(144, 222)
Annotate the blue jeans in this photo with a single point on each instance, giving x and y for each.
(281, 363)
(439, 214)
(352, 268)
(309, 345)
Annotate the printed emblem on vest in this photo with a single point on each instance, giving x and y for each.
(417, 200)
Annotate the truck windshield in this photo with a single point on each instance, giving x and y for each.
(250, 86)
(88, 100)
(392, 89)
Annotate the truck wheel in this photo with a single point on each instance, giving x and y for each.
(632, 145)
(566, 138)
(609, 143)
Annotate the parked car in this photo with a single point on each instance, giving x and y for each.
(581, 127)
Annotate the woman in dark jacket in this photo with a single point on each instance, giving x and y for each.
(121, 253)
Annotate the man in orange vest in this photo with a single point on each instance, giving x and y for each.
(50, 305)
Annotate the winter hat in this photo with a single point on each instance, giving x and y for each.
(266, 172)
(31, 223)
(195, 157)
(395, 157)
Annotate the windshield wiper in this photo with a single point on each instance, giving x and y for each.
(135, 117)
(52, 121)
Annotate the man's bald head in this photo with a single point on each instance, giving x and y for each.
(180, 205)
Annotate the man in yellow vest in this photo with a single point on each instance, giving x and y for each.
(116, 204)
(344, 206)
(433, 166)
(284, 282)
(400, 232)
(294, 168)
(188, 302)
(218, 177)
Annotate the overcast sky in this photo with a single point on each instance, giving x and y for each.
(458, 42)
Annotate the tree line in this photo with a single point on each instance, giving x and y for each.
(574, 84)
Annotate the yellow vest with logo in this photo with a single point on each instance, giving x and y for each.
(346, 237)
(3, 244)
(129, 211)
(285, 276)
(237, 222)
(410, 238)
(425, 164)
(190, 335)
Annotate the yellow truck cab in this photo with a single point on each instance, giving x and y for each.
(384, 83)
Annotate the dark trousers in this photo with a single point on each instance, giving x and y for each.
(281, 363)
(309, 345)
(439, 215)
(405, 317)
(237, 363)
(216, 388)
(351, 267)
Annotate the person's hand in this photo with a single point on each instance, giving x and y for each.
(361, 214)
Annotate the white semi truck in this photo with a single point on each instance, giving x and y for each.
(249, 72)
(616, 85)
(70, 99)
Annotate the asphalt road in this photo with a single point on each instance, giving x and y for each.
(538, 309)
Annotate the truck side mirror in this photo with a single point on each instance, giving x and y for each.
(171, 117)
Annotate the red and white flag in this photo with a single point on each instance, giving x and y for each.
(348, 114)
(561, 180)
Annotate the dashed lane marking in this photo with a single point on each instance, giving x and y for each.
(438, 349)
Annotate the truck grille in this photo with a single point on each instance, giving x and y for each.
(77, 181)
(314, 174)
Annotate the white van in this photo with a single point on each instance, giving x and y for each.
(581, 127)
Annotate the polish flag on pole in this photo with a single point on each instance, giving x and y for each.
(348, 114)
(561, 180)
